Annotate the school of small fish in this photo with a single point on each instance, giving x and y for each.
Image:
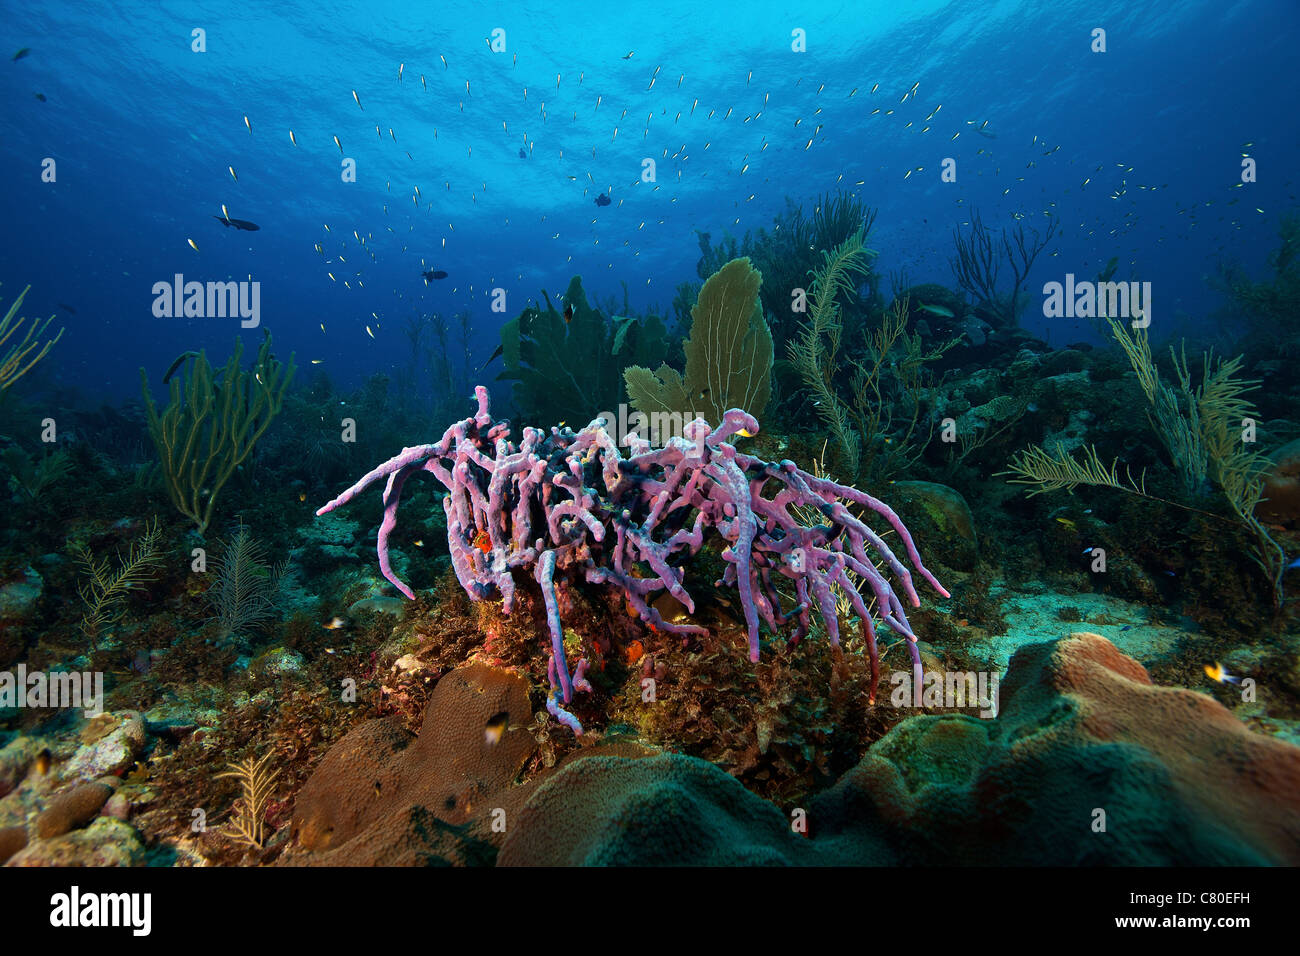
(443, 116)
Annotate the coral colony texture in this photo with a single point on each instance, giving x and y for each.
(381, 472)
(570, 505)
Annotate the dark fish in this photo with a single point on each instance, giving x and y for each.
(522, 154)
(568, 312)
(22, 53)
(433, 274)
(238, 224)
(177, 364)
(41, 97)
(602, 200)
(67, 308)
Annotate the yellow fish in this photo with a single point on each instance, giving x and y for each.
(1220, 674)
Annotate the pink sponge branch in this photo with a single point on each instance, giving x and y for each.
(570, 508)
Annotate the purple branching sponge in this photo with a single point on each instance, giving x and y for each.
(570, 505)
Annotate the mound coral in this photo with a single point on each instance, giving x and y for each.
(1087, 764)
(571, 506)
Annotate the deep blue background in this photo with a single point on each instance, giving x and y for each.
(143, 129)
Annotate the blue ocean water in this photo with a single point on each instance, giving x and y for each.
(1136, 150)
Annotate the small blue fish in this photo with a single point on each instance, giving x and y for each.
(1294, 564)
(1127, 627)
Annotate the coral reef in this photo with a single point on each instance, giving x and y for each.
(1088, 763)
(668, 649)
(1204, 429)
